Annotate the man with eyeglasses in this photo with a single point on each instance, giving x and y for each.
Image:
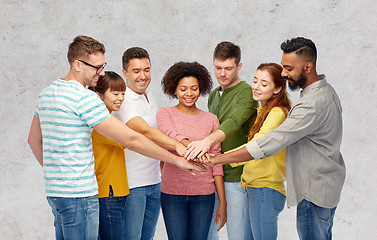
(60, 140)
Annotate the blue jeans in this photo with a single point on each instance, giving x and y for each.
(238, 222)
(142, 212)
(187, 217)
(213, 234)
(75, 218)
(265, 205)
(314, 222)
(112, 217)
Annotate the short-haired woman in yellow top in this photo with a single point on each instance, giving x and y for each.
(110, 165)
(264, 179)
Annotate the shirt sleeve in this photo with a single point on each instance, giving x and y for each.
(274, 118)
(166, 124)
(92, 110)
(243, 110)
(301, 121)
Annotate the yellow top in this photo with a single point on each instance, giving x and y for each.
(269, 172)
(110, 166)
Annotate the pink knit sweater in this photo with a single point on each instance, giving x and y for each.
(193, 127)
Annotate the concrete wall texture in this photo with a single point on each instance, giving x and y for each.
(34, 36)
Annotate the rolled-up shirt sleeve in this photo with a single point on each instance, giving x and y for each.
(301, 121)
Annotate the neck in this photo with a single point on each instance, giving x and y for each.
(231, 85)
(192, 110)
(73, 76)
(311, 79)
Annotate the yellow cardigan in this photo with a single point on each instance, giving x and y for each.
(269, 172)
(110, 166)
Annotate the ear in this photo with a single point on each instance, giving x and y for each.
(76, 65)
(124, 73)
(308, 67)
(277, 90)
(239, 66)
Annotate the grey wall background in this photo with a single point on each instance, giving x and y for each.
(34, 36)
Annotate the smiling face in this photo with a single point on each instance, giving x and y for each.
(187, 92)
(113, 99)
(263, 86)
(226, 72)
(88, 74)
(138, 75)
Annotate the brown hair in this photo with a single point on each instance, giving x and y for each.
(134, 52)
(226, 50)
(278, 100)
(186, 69)
(110, 80)
(82, 47)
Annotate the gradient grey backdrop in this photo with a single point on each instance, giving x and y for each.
(34, 36)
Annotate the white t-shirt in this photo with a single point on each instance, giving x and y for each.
(141, 170)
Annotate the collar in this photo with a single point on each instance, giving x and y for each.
(136, 96)
(229, 89)
(317, 84)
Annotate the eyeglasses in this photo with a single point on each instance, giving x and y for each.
(99, 69)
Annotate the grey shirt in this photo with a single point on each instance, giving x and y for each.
(312, 134)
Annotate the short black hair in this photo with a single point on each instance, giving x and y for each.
(302, 47)
(186, 69)
(134, 52)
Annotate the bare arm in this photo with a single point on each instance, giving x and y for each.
(221, 210)
(198, 148)
(139, 125)
(240, 155)
(116, 130)
(35, 139)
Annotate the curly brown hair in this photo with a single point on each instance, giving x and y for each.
(186, 69)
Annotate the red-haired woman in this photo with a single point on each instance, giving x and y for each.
(264, 179)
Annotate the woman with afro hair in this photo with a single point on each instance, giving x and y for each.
(187, 200)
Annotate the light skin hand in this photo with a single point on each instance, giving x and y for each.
(221, 214)
(180, 149)
(197, 149)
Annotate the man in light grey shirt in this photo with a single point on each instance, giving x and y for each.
(312, 134)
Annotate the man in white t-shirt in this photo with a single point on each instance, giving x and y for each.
(60, 138)
(139, 113)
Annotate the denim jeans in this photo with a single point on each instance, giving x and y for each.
(213, 234)
(112, 217)
(265, 205)
(187, 217)
(75, 218)
(314, 222)
(142, 212)
(238, 222)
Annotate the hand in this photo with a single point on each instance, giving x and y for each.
(206, 158)
(197, 149)
(190, 166)
(221, 215)
(180, 149)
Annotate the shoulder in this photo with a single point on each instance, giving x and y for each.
(277, 114)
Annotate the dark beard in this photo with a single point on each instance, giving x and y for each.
(295, 85)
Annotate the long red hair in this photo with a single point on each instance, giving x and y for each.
(277, 100)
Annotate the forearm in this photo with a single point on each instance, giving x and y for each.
(215, 137)
(219, 184)
(161, 139)
(240, 155)
(35, 139)
(116, 130)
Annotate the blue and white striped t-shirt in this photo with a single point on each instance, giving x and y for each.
(67, 112)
